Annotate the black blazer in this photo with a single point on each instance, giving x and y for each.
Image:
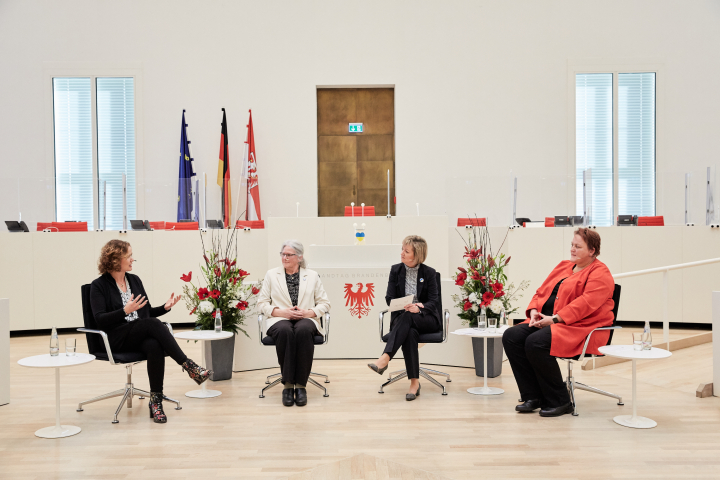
(107, 306)
(427, 289)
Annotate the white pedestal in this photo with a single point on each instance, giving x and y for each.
(203, 336)
(716, 342)
(57, 362)
(4, 351)
(484, 390)
(628, 352)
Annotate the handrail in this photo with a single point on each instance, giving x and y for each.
(664, 271)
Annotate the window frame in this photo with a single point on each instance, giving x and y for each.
(617, 66)
(93, 70)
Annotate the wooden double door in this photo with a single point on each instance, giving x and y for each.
(353, 167)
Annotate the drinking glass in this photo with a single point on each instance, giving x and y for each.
(492, 325)
(70, 344)
(481, 321)
(637, 341)
(647, 340)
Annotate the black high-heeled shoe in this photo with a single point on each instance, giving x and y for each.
(196, 372)
(156, 409)
(375, 368)
(410, 396)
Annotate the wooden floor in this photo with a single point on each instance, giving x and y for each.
(356, 432)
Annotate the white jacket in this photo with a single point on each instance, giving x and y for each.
(274, 294)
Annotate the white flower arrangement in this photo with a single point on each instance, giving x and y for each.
(496, 306)
(206, 307)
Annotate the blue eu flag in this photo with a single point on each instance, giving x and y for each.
(185, 194)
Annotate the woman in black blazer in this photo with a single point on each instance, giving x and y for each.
(121, 309)
(422, 316)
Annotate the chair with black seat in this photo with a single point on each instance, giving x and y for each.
(99, 346)
(437, 337)
(268, 341)
(571, 383)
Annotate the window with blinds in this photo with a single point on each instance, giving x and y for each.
(75, 192)
(594, 143)
(116, 148)
(73, 149)
(635, 121)
(636, 144)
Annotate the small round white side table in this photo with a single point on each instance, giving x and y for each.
(57, 362)
(627, 351)
(484, 334)
(203, 336)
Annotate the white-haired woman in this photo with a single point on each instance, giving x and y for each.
(293, 300)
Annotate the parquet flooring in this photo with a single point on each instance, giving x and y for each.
(458, 436)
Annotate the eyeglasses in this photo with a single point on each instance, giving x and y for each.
(288, 255)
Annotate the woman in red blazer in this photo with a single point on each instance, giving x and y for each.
(574, 299)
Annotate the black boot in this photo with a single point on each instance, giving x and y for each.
(156, 408)
(196, 372)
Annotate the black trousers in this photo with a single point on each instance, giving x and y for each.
(405, 332)
(295, 348)
(152, 337)
(536, 372)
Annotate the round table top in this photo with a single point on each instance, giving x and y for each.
(60, 360)
(473, 332)
(627, 351)
(203, 335)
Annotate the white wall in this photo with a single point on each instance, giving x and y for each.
(481, 89)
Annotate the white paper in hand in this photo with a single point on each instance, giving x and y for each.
(397, 304)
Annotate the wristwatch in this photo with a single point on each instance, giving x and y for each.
(555, 319)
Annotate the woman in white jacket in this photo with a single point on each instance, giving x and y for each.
(293, 300)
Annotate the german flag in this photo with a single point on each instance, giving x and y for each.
(223, 178)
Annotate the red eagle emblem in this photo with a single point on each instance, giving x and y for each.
(359, 302)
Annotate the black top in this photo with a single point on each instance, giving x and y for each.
(547, 309)
(293, 286)
(427, 289)
(107, 305)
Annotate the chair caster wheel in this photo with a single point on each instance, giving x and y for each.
(381, 391)
(115, 421)
(267, 382)
(178, 407)
(79, 410)
(448, 380)
(327, 381)
(620, 403)
(444, 393)
(141, 398)
(575, 414)
(326, 395)
(262, 396)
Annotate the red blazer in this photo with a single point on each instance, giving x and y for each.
(584, 302)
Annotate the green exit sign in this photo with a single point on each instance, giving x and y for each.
(355, 128)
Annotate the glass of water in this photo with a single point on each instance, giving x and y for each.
(637, 341)
(70, 345)
(492, 325)
(481, 321)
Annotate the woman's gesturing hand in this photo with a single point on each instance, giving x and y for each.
(173, 300)
(135, 303)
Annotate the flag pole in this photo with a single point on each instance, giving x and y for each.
(243, 175)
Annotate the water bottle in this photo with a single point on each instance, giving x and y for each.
(647, 336)
(54, 343)
(482, 319)
(218, 321)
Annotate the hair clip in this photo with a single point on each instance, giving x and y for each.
(422, 279)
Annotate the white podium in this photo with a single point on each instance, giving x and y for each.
(355, 278)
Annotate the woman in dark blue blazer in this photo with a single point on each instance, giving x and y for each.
(411, 277)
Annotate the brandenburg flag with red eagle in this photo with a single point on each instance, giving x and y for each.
(223, 179)
(250, 173)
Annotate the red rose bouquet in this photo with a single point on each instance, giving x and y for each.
(483, 281)
(224, 288)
